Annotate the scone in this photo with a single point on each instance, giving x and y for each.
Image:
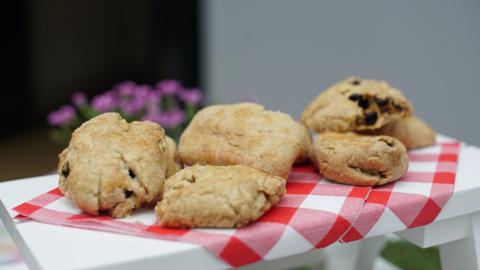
(412, 131)
(246, 134)
(356, 104)
(111, 166)
(217, 196)
(359, 159)
(173, 164)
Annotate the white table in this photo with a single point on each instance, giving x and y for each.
(456, 230)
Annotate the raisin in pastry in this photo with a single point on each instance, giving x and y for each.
(356, 104)
(111, 166)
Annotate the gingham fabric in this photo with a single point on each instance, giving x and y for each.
(313, 214)
(416, 199)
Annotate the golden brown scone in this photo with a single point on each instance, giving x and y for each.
(217, 196)
(359, 159)
(356, 104)
(173, 164)
(412, 131)
(245, 134)
(113, 166)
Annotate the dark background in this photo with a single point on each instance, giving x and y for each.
(53, 48)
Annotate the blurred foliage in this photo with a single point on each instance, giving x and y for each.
(408, 256)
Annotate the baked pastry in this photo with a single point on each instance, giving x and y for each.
(217, 196)
(173, 164)
(412, 131)
(359, 159)
(356, 104)
(245, 134)
(111, 166)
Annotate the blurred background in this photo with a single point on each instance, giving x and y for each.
(287, 52)
(54, 48)
(275, 51)
(281, 53)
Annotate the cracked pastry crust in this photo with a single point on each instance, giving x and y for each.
(217, 196)
(173, 164)
(247, 134)
(359, 159)
(356, 104)
(412, 131)
(111, 166)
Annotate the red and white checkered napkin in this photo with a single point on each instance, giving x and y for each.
(313, 214)
(416, 199)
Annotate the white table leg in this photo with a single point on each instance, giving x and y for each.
(358, 255)
(368, 252)
(342, 256)
(464, 253)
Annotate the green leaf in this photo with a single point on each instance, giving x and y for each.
(87, 112)
(60, 136)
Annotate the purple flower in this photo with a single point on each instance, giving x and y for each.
(172, 118)
(153, 113)
(192, 96)
(153, 107)
(152, 117)
(132, 107)
(62, 116)
(169, 87)
(158, 93)
(105, 102)
(125, 88)
(79, 99)
(137, 101)
(169, 119)
(155, 97)
(143, 92)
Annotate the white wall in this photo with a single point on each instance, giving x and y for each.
(285, 52)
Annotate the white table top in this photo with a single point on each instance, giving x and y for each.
(57, 247)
